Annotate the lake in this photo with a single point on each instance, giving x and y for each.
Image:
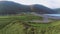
(52, 14)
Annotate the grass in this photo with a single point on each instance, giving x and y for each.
(17, 25)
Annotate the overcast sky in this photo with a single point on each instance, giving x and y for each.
(48, 3)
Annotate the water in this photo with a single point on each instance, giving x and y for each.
(53, 14)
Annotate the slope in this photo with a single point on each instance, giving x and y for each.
(16, 25)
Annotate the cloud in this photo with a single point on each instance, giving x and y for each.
(54, 3)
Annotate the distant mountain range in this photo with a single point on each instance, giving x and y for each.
(9, 7)
(58, 10)
(42, 9)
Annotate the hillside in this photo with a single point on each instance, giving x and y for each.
(18, 25)
(40, 9)
(9, 7)
(58, 10)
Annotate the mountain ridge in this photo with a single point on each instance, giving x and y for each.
(9, 7)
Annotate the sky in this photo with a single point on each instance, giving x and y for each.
(47, 3)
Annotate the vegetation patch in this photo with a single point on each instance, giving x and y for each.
(18, 25)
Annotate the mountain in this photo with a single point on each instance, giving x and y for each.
(10, 7)
(42, 9)
(58, 10)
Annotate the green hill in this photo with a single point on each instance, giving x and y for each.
(18, 25)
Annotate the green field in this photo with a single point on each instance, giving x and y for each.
(18, 25)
